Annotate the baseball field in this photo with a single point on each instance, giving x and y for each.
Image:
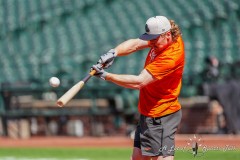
(111, 148)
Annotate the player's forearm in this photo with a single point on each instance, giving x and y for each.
(130, 46)
(127, 81)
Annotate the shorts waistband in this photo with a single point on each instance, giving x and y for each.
(155, 118)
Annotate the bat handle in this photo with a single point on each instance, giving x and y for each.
(92, 72)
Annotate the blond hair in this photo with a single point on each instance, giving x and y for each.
(175, 30)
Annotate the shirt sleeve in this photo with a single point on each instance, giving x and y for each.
(161, 66)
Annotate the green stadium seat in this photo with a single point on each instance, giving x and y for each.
(73, 33)
(231, 5)
(133, 7)
(178, 13)
(23, 11)
(2, 109)
(130, 99)
(218, 7)
(189, 12)
(34, 10)
(226, 71)
(204, 9)
(188, 58)
(188, 91)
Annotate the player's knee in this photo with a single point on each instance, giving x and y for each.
(137, 154)
(136, 157)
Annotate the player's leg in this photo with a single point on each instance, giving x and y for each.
(151, 136)
(162, 137)
(165, 158)
(136, 154)
(170, 125)
(169, 158)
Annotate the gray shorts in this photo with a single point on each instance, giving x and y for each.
(156, 136)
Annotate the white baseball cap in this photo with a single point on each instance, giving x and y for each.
(155, 26)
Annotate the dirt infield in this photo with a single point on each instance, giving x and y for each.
(181, 141)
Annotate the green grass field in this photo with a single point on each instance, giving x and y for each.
(100, 154)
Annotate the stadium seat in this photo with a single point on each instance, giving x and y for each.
(218, 8)
(2, 110)
(190, 12)
(76, 32)
(204, 10)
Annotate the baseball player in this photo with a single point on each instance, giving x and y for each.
(159, 85)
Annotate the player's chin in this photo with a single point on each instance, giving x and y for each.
(152, 45)
(155, 48)
(152, 42)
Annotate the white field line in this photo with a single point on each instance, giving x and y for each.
(22, 158)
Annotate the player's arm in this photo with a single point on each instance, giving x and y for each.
(130, 46)
(131, 81)
(125, 48)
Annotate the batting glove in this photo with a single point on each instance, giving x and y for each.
(107, 59)
(100, 73)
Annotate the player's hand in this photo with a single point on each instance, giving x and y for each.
(107, 59)
(99, 71)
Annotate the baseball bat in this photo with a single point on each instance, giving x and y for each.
(74, 90)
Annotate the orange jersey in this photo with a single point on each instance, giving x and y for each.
(161, 97)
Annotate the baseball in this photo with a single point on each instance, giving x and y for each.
(54, 81)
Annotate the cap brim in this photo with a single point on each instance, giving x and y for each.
(148, 37)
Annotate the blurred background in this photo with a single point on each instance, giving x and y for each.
(64, 38)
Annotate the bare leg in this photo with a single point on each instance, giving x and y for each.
(157, 158)
(161, 158)
(137, 155)
(168, 158)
